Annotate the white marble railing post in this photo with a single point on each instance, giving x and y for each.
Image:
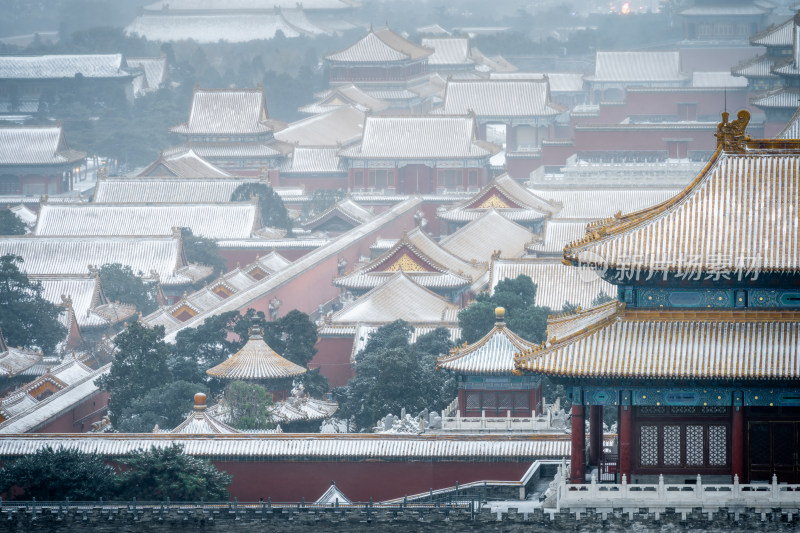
(624, 488)
(593, 485)
(698, 488)
(737, 489)
(775, 492)
(662, 490)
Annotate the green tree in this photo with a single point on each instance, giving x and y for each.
(198, 349)
(54, 475)
(273, 212)
(249, 405)
(121, 284)
(392, 375)
(165, 406)
(10, 224)
(314, 383)
(602, 298)
(161, 473)
(293, 335)
(139, 366)
(523, 317)
(202, 251)
(26, 318)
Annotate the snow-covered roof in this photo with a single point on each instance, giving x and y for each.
(492, 354)
(232, 27)
(485, 236)
(26, 215)
(380, 46)
(200, 422)
(507, 197)
(80, 385)
(757, 67)
(212, 221)
(88, 302)
(725, 344)
(183, 163)
(332, 495)
(35, 145)
(347, 210)
(313, 160)
(249, 6)
(419, 137)
(63, 66)
(399, 298)
(627, 66)
(589, 204)
(792, 128)
(448, 51)
(48, 256)
(14, 361)
(362, 332)
(780, 35)
(345, 95)
(340, 126)
(557, 283)
(226, 111)
(499, 98)
(750, 225)
(556, 235)
(718, 79)
(167, 190)
(560, 82)
(256, 361)
(297, 446)
(302, 409)
(155, 73)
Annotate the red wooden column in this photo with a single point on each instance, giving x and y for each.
(624, 439)
(578, 457)
(737, 438)
(595, 434)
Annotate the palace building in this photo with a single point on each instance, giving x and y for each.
(699, 353)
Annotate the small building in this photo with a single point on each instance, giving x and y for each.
(258, 363)
(487, 385)
(182, 164)
(723, 20)
(418, 154)
(155, 73)
(201, 422)
(36, 160)
(615, 71)
(343, 216)
(231, 128)
(489, 235)
(345, 95)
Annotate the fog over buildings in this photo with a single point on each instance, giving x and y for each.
(516, 246)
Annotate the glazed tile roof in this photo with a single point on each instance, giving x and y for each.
(213, 221)
(341, 126)
(314, 160)
(155, 73)
(419, 137)
(343, 96)
(432, 249)
(201, 422)
(674, 344)
(499, 98)
(588, 204)
(737, 9)
(303, 409)
(26, 215)
(380, 46)
(35, 145)
(167, 190)
(256, 361)
(205, 28)
(557, 284)
(780, 35)
(741, 212)
(183, 164)
(492, 354)
(88, 302)
(758, 67)
(63, 66)
(405, 256)
(483, 237)
(399, 298)
(48, 256)
(345, 209)
(448, 51)
(560, 82)
(224, 150)
(717, 79)
(14, 361)
(226, 111)
(293, 446)
(508, 197)
(626, 66)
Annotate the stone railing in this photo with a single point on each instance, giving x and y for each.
(453, 421)
(735, 497)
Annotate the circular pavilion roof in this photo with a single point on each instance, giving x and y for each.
(256, 361)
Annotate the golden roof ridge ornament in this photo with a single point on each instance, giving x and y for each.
(731, 135)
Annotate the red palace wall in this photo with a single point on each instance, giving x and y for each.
(333, 359)
(244, 257)
(79, 419)
(312, 183)
(711, 59)
(665, 102)
(285, 481)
